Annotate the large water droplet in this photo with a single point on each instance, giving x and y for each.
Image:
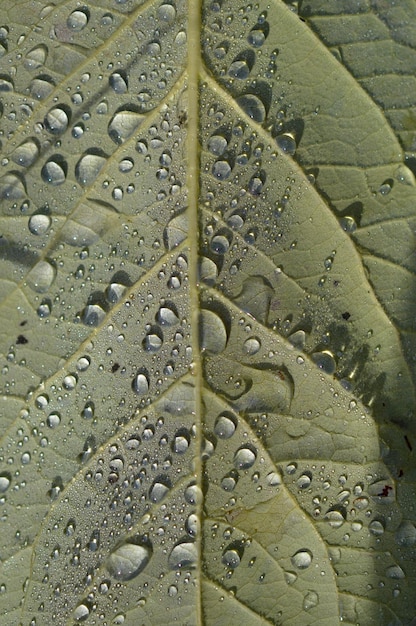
(406, 534)
(39, 223)
(221, 170)
(129, 559)
(57, 120)
(92, 315)
(213, 332)
(184, 554)
(88, 168)
(159, 489)
(118, 82)
(176, 231)
(253, 107)
(325, 361)
(41, 87)
(12, 187)
(36, 57)
(41, 277)
(245, 458)
(141, 384)
(78, 20)
(123, 124)
(302, 559)
(5, 480)
(287, 143)
(217, 144)
(225, 426)
(166, 13)
(26, 154)
(54, 172)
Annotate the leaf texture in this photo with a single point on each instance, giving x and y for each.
(207, 303)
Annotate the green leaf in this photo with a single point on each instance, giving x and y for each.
(207, 302)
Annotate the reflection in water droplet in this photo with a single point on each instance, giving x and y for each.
(213, 332)
(253, 107)
(225, 426)
(88, 168)
(41, 277)
(26, 154)
(129, 559)
(39, 224)
(184, 554)
(302, 559)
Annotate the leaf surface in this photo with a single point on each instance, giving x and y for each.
(207, 306)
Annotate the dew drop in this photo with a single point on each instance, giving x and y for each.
(406, 534)
(311, 600)
(253, 107)
(54, 172)
(244, 458)
(213, 332)
(141, 384)
(12, 187)
(26, 154)
(167, 13)
(77, 20)
(36, 57)
(231, 559)
(251, 346)
(395, 572)
(325, 361)
(184, 554)
(88, 168)
(302, 559)
(41, 277)
(287, 143)
(118, 82)
(5, 480)
(41, 87)
(129, 559)
(92, 315)
(39, 224)
(217, 144)
(57, 120)
(221, 170)
(123, 124)
(225, 426)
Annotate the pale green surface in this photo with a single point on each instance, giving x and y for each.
(280, 340)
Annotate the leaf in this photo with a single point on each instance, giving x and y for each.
(207, 303)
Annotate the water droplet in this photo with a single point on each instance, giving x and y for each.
(311, 600)
(26, 154)
(153, 340)
(41, 87)
(239, 69)
(184, 554)
(36, 57)
(335, 517)
(253, 107)
(6, 83)
(39, 224)
(406, 534)
(167, 315)
(5, 480)
(129, 559)
(325, 361)
(81, 612)
(395, 572)
(57, 120)
(92, 315)
(287, 143)
(217, 144)
(213, 332)
(252, 345)
(41, 277)
(382, 491)
(229, 481)
(258, 34)
(88, 168)
(348, 224)
(118, 82)
(159, 489)
(77, 20)
(176, 231)
(54, 172)
(141, 384)
(245, 458)
(192, 525)
(231, 559)
(302, 559)
(304, 480)
(123, 125)
(167, 13)
(12, 187)
(221, 170)
(376, 527)
(53, 420)
(225, 425)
